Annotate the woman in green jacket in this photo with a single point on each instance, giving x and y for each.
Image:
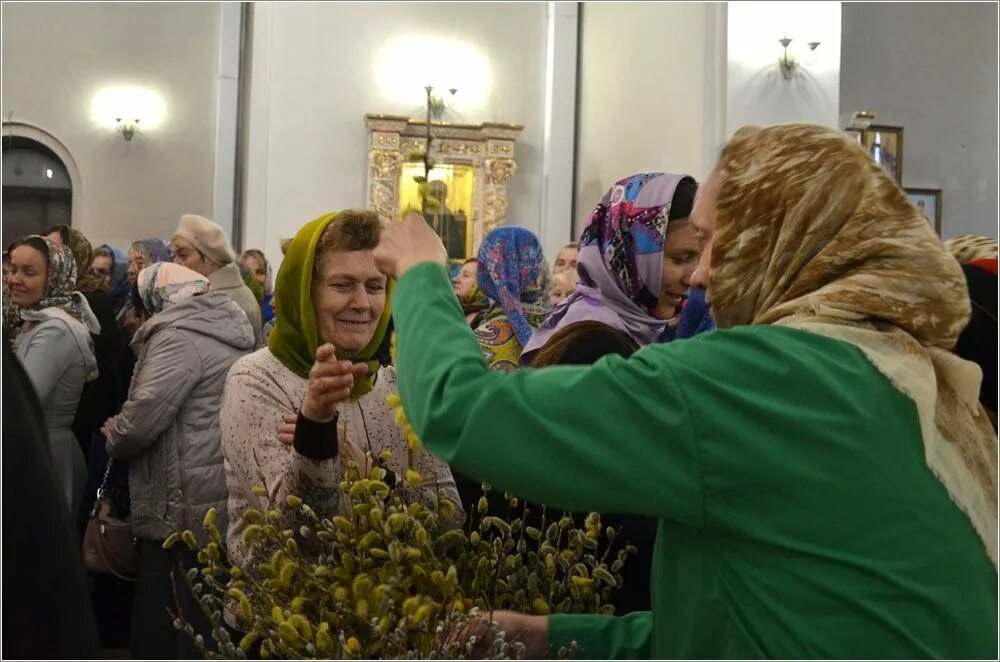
(823, 476)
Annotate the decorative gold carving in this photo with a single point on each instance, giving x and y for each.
(487, 147)
(386, 163)
(451, 147)
(501, 171)
(418, 129)
(381, 195)
(382, 199)
(410, 145)
(495, 205)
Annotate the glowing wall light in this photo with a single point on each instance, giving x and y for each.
(790, 32)
(405, 65)
(126, 108)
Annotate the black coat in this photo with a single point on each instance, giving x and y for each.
(46, 609)
(978, 341)
(100, 400)
(103, 397)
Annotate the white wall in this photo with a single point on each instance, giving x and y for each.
(645, 100)
(756, 91)
(316, 72)
(57, 56)
(932, 69)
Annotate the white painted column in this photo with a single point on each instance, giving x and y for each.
(559, 143)
(226, 116)
(716, 60)
(255, 173)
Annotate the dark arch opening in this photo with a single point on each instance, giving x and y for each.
(37, 190)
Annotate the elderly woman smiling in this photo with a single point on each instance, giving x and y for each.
(334, 304)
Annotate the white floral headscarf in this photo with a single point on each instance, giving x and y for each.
(165, 284)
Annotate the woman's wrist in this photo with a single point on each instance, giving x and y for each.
(532, 631)
(314, 439)
(538, 640)
(315, 414)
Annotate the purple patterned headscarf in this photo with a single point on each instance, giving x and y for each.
(513, 273)
(620, 261)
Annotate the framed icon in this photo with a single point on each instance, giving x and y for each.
(928, 203)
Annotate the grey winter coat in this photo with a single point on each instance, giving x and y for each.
(227, 279)
(169, 426)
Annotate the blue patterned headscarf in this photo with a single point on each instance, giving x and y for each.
(118, 287)
(514, 274)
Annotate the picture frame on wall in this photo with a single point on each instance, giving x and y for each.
(885, 144)
(928, 203)
(857, 135)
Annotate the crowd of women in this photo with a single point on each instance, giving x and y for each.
(816, 478)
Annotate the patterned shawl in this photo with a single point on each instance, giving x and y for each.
(514, 275)
(812, 234)
(60, 301)
(83, 254)
(969, 247)
(165, 284)
(59, 288)
(620, 261)
(11, 315)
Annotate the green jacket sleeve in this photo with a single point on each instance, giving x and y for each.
(576, 438)
(627, 637)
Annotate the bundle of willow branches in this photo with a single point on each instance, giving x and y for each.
(391, 579)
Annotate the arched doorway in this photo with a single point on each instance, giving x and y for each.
(38, 184)
(37, 191)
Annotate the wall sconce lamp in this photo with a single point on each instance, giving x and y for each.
(435, 105)
(127, 127)
(121, 108)
(787, 62)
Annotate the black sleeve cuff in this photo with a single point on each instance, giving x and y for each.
(316, 441)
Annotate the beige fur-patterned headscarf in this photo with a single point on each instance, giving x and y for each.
(969, 247)
(812, 234)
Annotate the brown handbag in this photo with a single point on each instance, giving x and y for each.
(108, 544)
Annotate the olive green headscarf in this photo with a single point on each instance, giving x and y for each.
(295, 338)
(250, 280)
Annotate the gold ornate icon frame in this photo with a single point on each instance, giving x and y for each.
(487, 148)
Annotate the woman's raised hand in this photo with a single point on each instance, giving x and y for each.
(330, 382)
(407, 243)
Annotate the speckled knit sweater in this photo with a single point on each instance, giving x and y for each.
(259, 391)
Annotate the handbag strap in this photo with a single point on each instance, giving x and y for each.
(104, 484)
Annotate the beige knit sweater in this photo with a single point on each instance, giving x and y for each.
(259, 390)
